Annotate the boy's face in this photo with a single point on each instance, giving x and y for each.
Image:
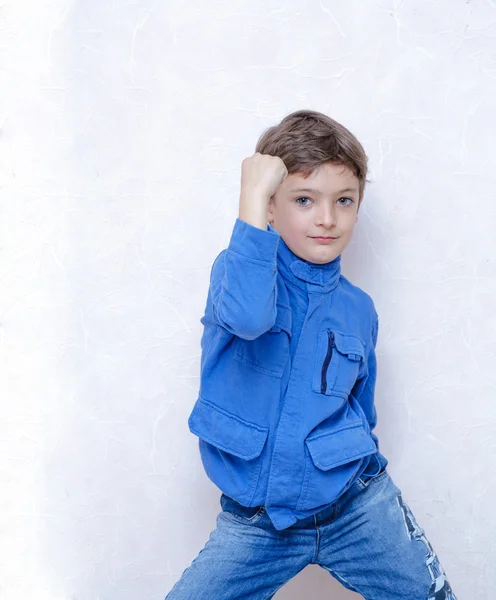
(323, 204)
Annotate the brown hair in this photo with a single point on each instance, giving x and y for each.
(306, 139)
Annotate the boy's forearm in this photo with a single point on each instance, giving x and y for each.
(253, 210)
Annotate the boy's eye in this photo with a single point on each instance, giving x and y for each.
(302, 201)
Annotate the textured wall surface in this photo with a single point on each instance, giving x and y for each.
(123, 125)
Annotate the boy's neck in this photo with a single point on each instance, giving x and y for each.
(301, 272)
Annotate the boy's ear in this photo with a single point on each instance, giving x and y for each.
(270, 211)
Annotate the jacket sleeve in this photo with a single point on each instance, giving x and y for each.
(364, 389)
(243, 282)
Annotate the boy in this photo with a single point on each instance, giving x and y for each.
(285, 413)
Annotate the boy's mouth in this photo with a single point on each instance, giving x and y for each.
(324, 240)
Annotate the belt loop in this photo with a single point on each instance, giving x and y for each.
(378, 465)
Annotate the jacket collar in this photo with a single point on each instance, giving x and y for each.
(302, 272)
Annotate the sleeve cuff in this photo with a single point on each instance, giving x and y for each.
(254, 243)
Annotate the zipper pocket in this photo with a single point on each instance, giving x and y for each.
(325, 366)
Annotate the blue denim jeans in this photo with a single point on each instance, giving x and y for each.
(368, 540)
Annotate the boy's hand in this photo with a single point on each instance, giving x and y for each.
(261, 175)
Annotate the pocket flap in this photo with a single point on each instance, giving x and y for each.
(226, 431)
(350, 345)
(340, 446)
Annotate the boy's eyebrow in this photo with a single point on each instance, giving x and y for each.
(312, 190)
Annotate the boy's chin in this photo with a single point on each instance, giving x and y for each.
(323, 261)
(320, 258)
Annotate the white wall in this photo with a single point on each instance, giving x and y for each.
(123, 125)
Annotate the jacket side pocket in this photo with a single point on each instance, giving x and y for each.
(333, 459)
(230, 449)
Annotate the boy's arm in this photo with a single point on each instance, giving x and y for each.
(243, 290)
(243, 282)
(364, 389)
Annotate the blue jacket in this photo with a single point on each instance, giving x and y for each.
(285, 411)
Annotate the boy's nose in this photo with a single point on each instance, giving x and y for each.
(326, 217)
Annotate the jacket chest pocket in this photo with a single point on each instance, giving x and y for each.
(339, 360)
(268, 353)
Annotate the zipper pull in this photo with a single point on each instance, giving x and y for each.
(325, 366)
